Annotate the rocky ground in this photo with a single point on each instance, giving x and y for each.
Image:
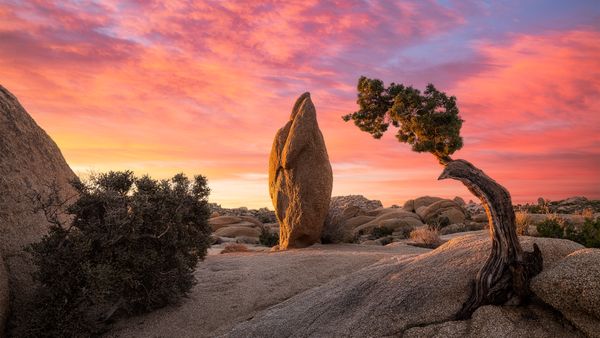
(235, 287)
(371, 291)
(377, 286)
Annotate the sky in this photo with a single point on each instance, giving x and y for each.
(201, 87)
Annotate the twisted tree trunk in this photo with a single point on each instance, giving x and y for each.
(507, 271)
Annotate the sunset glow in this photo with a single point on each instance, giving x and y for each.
(202, 87)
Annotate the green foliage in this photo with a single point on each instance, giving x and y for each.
(552, 228)
(588, 235)
(268, 237)
(428, 121)
(378, 232)
(132, 246)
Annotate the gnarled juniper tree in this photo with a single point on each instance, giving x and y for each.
(430, 122)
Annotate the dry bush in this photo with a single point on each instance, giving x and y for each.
(558, 219)
(523, 221)
(426, 237)
(587, 213)
(234, 247)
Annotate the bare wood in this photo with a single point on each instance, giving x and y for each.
(507, 271)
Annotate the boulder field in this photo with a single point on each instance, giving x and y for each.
(240, 229)
(353, 218)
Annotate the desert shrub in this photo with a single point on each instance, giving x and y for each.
(131, 246)
(378, 232)
(234, 247)
(426, 237)
(523, 221)
(438, 223)
(590, 233)
(587, 213)
(554, 227)
(267, 237)
(265, 215)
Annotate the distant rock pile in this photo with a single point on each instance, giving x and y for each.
(356, 219)
(29, 162)
(239, 229)
(263, 214)
(473, 208)
(571, 205)
(300, 177)
(341, 209)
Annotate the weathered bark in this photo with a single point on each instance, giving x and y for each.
(507, 271)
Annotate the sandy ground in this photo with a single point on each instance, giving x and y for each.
(234, 287)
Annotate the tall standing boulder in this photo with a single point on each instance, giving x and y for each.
(300, 177)
(30, 162)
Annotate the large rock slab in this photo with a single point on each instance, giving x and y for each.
(341, 209)
(390, 297)
(573, 287)
(401, 218)
(420, 202)
(501, 321)
(30, 162)
(234, 288)
(236, 231)
(300, 177)
(224, 220)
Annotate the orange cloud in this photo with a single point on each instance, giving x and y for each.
(202, 87)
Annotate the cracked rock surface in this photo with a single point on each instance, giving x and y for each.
(397, 294)
(349, 290)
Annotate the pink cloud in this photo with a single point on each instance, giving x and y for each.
(534, 115)
(202, 87)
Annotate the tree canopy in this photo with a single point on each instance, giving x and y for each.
(428, 121)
